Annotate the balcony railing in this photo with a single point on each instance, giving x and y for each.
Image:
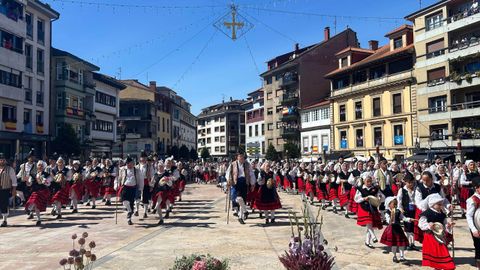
(287, 132)
(289, 99)
(464, 43)
(289, 117)
(372, 83)
(464, 14)
(288, 79)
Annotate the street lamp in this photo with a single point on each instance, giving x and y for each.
(122, 127)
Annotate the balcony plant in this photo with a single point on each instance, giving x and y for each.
(306, 250)
(468, 77)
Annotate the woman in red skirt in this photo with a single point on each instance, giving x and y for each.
(321, 186)
(38, 200)
(310, 187)
(60, 187)
(93, 182)
(300, 183)
(466, 190)
(267, 197)
(435, 253)
(368, 215)
(77, 186)
(393, 236)
(344, 188)
(331, 175)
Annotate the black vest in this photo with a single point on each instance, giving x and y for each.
(425, 191)
(365, 193)
(433, 216)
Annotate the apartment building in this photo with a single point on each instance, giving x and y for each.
(221, 129)
(255, 126)
(25, 41)
(371, 89)
(447, 69)
(295, 80)
(315, 131)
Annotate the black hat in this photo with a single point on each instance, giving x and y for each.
(408, 176)
(476, 181)
(371, 159)
(54, 156)
(382, 159)
(150, 158)
(128, 159)
(143, 154)
(155, 154)
(30, 154)
(2, 156)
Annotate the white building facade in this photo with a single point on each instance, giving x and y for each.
(315, 133)
(25, 42)
(255, 126)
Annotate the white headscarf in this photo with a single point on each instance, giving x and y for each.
(468, 162)
(433, 199)
(388, 200)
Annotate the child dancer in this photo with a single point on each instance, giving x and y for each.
(435, 253)
(368, 214)
(393, 236)
(472, 204)
(406, 204)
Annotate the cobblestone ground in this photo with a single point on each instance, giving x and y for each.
(197, 225)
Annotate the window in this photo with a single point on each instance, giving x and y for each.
(377, 72)
(315, 115)
(398, 43)
(41, 31)
(103, 126)
(12, 9)
(11, 42)
(105, 99)
(325, 113)
(398, 135)
(439, 132)
(269, 95)
(217, 139)
(341, 82)
(10, 78)
(40, 61)
(377, 136)
(358, 110)
(359, 76)
(39, 118)
(168, 127)
(222, 149)
(217, 129)
(29, 23)
(343, 113)
(397, 103)
(343, 139)
(28, 89)
(27, 116)
(28, 57)
(314, 147)
(40, 93)
(437, 104)
(9, 113)
(217, 148)
(400, 65)
(256, 130)
(222, 139)
(305, 117)
(278, 93)
(279, 124)
(325, 142)
(376, 107)
(280, 141)
(269, 111)
(250, 131)
(263, 129)
(163, 124)
(222, 129)
(436, 76)
(435, 48)
(268, 80)
(359, 138)
(270, 126)
(305, 144)
(279, 109)
(344, 62)
(434, 21)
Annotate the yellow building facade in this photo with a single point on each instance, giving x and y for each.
(371, 106)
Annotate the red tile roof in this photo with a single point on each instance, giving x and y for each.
(379, 54)
(401, 28)
(321, 103)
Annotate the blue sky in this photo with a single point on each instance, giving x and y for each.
(180, 48)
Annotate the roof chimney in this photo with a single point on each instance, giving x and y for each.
(153, 85)
(326, 32)
(296, 47)
(373, 44)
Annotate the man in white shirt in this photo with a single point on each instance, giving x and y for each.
(27, 171)
(129, 181)
(8, 187)
(240, 179)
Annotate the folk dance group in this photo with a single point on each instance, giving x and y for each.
(151, 185)
(411, 200)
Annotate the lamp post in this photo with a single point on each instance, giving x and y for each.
(122, 127)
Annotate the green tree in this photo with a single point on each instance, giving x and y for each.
(205, 154)
(174, 151)
(271, 153)
(291, 150)
(193, 154)
(183, 153)
(66, 142)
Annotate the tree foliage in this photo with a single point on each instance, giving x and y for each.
(184, 153)
(291, 150)
(205, 153)
(193, 154)
(271, 153)
(66, 142)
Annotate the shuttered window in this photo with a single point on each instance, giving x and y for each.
(436, 74)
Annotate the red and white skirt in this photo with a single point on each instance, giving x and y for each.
(164, 196)
(366, 217)
(286, 183)
(278, 180)
(418, 233)
(343, 196)
(322, 194)
(436, 255)
(300, 184)
(267, 199)
(465, 193)
(353, 205)
(310, 188)
(333, 194)
(394, 237)
(93, 187)
(39, 198)
(395, 189)
(78, 188)
(61, 195)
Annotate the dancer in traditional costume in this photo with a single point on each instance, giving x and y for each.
(393, 236)
(109, 173)
(344, 188)
(8, 185)
(163, 182)
(267, 197)
(466, 189)
(60, 187)
(472, 205)
(39, 199)
(77, 186)
(145, 194)
(128, 182)
(27, 171)
(93, 182)
(406, 204)
(368, 215)
(434, 250)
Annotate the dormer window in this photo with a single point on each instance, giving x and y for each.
(398, 43)
(344, 62)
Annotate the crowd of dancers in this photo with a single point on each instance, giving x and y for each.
(150, 186)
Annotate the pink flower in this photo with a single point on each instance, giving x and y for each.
(199, 265)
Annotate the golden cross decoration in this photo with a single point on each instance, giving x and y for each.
(234, 25)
